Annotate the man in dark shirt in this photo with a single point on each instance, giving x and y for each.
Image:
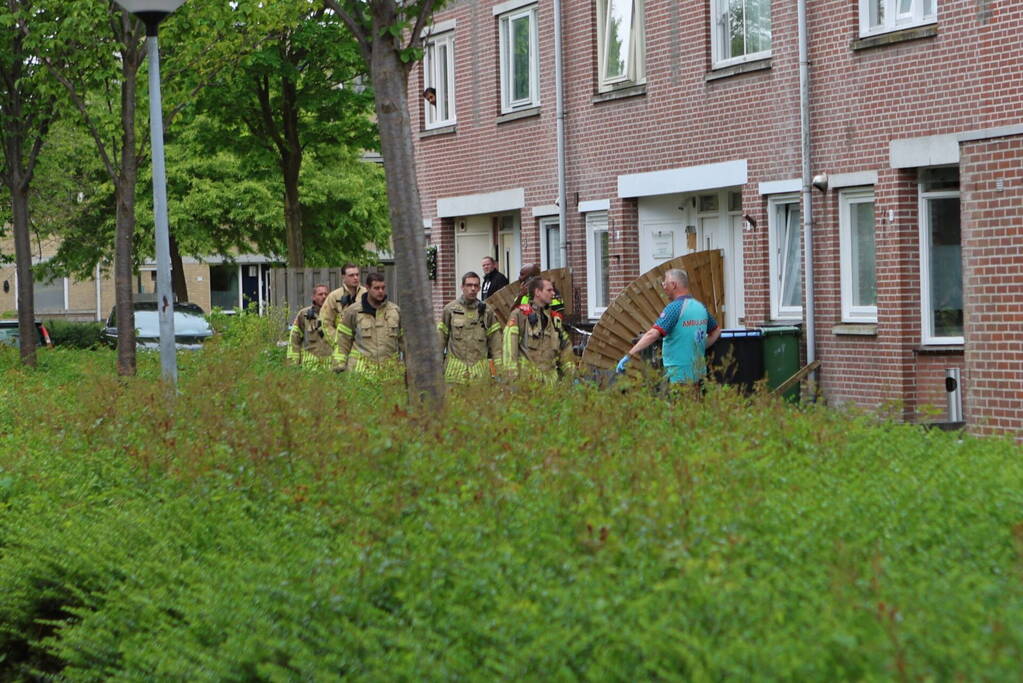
(493, 280)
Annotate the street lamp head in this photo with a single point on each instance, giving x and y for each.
(152, 12)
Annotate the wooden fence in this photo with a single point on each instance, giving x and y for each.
(292, 288)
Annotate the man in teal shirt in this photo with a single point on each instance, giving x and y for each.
(688, 330)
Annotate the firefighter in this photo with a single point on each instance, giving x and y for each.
(337, 301)
(307, 345)
(536, 344)
(528, 272)
(369, 334)
(470, 335)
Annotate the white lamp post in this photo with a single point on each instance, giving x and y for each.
(152, 12)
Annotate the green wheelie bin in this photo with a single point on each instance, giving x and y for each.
(781, 357)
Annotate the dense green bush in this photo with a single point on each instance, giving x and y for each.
(269, 523)
(75, 335)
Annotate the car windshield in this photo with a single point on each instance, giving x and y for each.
(143, 307)
(185, 324)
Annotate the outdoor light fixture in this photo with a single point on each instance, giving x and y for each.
(151, 13)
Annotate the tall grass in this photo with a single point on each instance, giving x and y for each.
(270, 523)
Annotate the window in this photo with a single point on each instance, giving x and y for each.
(740, 31)
(882, 16)
(49, 297)
(598, 283)
(520, 63)
(439, 74)
(786, 257)
(550, 244)
(620, 43)
(856, 239)
(941, 257)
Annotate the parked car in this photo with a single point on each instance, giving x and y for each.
(10, 335)
(191, 328)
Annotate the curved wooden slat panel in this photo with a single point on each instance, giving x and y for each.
(637, 307)
(503, 300)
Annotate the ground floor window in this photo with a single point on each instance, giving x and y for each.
(858, 269)
(550, 244)
(50, 296)
(941, 257)
(224, 286)
(598, 284)
(786, 263)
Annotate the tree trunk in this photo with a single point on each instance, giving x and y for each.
(16, 178)
(423, 358)
(124, 263)
(178, 282)
(291, 166)
(23, 256)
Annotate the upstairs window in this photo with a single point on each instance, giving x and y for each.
(520, 62)
(439, 74)
(882, 16)
(620, 43)
(740, 31)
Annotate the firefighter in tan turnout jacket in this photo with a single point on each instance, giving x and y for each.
(536, 344)
(470, 335)
(337, 301)
(307, 344)
(369, 335)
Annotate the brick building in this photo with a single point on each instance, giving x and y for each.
(682, 131)
(229, 284)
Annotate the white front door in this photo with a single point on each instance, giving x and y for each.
(675, 225)
(472, 242)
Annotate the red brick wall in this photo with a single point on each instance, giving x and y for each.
(968, 76)
(992, 194)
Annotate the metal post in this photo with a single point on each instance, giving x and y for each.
(164, 291)
(954, 394)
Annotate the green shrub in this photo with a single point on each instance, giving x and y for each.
(269, 523)
(75, 335)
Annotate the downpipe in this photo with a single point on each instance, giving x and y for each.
(807, 185)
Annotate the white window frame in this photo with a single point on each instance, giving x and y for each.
(719, 13)
(432, 79)
(596, 222)
(895, 20)
(507, 63)
(545, 252)
(778, 256)
(926, 317)
(847, 199)
(635, 64)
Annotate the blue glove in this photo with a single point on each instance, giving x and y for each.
(620, 368)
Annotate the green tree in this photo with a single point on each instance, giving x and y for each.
(389, 34)
(296, 96)
(27, 109)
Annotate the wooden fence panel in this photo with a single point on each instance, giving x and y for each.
(292, 288)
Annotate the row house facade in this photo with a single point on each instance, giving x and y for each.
(682, 131)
